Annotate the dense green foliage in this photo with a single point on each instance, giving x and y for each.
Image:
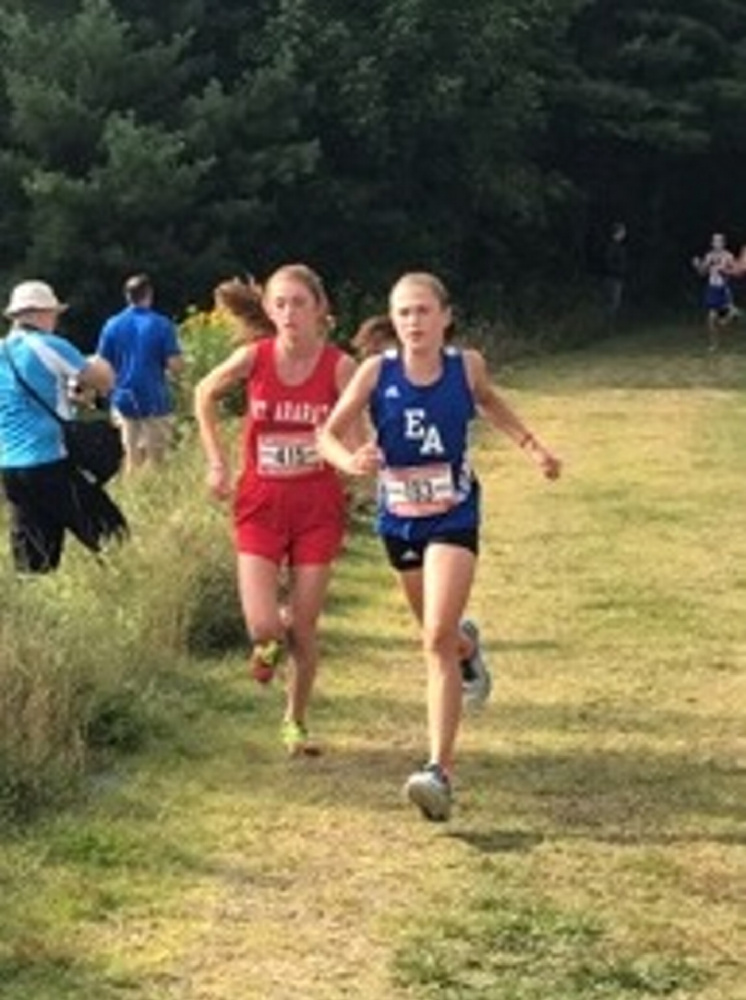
(493, 141)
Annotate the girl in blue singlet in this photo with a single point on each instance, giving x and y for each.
(421, 399)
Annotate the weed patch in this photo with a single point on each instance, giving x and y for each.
(504, 950)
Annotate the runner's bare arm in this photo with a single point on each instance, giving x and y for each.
(347, 420)
(208, 391)
(497, 412)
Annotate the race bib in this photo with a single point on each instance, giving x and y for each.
(418, 490)
(287, 454)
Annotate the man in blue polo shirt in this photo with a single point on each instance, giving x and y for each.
(143, 348)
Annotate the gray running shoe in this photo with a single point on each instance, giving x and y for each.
(476, 677)
(430, 790)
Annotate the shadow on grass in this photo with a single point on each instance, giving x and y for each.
(498, 841)
(629, 775)
(55, 977)
(522, 646)
(622, 797)
(507, 803)
(337, 640)
(610, 720)
(620, 775)
(637, 797)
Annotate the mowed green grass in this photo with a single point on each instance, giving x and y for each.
(598, 845)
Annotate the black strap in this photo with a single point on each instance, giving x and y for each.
(30, 389)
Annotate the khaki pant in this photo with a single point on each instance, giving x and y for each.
(145, 439)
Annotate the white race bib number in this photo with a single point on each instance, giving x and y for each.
(418, 490)
(287, 454)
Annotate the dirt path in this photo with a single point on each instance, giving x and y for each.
(283, 878)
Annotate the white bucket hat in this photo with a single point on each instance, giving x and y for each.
(33, 295)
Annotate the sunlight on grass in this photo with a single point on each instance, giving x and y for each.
(598, 845)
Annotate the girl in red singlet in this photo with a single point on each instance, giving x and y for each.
(288, 503)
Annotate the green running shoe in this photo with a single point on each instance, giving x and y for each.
(297, 741)
(264, 660)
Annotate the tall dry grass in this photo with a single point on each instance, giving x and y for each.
(84, 651)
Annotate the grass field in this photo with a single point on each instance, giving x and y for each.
(598, 845)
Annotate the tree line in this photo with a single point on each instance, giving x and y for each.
(493, 141)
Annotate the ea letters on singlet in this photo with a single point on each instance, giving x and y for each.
(415, 429)
(424, 489)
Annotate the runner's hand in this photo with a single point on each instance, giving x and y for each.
(365, 461)
(219, 481)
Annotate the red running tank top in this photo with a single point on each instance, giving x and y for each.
(282, 420)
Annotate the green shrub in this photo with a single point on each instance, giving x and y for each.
(214, 622)
(206, 340)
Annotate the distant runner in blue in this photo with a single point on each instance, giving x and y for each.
(421, 398)
(718, 266)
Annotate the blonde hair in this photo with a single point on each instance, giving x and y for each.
(306, 276)
(434, 285)
(430, 281)
(312, 282)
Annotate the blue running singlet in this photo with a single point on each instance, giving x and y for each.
(426, 485)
